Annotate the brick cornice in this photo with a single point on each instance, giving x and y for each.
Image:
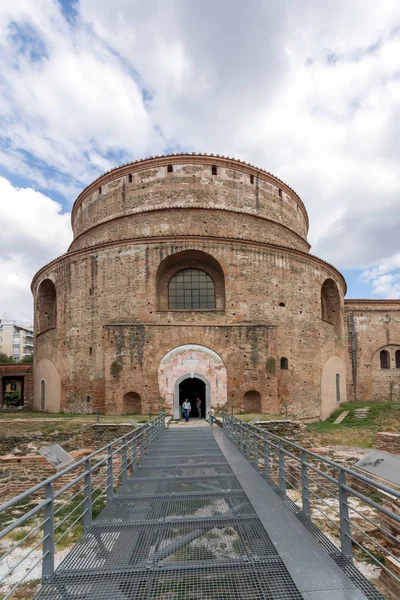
(189, 208)
(195, 159)
(193, 239)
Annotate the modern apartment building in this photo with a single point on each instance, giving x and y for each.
(15, 340)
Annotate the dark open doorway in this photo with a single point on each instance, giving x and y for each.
(193, 388)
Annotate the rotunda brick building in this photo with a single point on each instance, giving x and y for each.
(189, 276)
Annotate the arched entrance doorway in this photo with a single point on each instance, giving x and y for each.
(193, 388)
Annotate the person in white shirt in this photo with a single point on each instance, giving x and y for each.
(186, 409)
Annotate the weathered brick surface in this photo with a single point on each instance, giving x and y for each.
(388, 442)
(113, 329)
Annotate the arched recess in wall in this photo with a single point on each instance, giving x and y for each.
(46, 306)
(45, 371)
(252, 402)
(132, 403)
(333, 386)
(330, 302)
(397, 358)
(192, 273)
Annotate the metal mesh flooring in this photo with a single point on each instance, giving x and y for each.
(181, 527)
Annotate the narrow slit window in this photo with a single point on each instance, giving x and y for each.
(251, 178)
(337, 387)
(42, 394)
(280, 193)
(130, 177)
(213, 170)
(170, 169)
(99, 190)
(397, 357)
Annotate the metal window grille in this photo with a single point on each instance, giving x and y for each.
(191, 289)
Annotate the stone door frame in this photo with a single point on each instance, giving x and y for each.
(177, 412)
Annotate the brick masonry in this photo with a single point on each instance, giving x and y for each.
(388, 442)
(137, 224)
(24, 371)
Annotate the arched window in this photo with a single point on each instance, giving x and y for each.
(190, 279)
(385, 359)
(46, 306)
(337, 387)
(330, 302)
(397, 356)
(132, 403)
(284, 362)
(42, 394)
(191, 289)
(252, 402)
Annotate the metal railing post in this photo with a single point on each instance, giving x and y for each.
(247, 441)
(305, 492)
(48, 534)
(255, 449)
(124, 467)
(266, 457)
(282, 482)
(87, 505)
(110, 482)
(345, 533)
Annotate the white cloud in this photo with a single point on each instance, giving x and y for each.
(307, 90)
(33, 232)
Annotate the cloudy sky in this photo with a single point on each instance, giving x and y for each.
(309, 90)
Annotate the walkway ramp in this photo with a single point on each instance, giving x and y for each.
(182, 527)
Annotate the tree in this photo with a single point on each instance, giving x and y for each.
(27, 359)
(4, 359)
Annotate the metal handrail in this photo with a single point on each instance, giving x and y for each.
(121, 457)
(268, 451)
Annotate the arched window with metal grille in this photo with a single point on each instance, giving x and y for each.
(191, 289)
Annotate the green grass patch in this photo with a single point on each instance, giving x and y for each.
(382, 416)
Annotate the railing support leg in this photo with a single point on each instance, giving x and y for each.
(266, 457)
(124, 466)
(345, 533)
(255, 449)
(110, 481)
(48, 531)
(282, 482)
(305, 492)
(87, 505)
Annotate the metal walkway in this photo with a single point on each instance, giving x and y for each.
(182, 527)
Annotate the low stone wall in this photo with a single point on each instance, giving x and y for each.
(19, 473)
(388, 442)
(100, 434)
(291, 430)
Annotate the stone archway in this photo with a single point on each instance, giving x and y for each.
(192, 361)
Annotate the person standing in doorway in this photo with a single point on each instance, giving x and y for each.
(198, 406)
(211, 416)
(186, 409)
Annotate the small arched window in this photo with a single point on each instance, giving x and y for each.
(170, 169)
(385, 359)
(397, 356)
(284, 362)
(337, 387)
(191, 289)
(42, 394)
